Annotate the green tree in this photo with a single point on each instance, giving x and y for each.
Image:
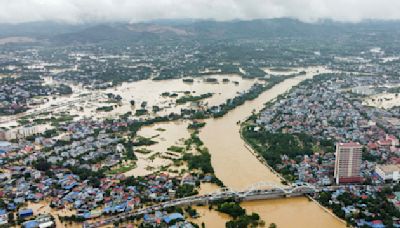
(42, 164)
(231, 208)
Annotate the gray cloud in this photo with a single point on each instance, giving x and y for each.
(76, 11)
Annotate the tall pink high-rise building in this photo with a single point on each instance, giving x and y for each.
(348, 162)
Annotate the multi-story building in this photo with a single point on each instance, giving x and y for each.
(348, 162)
(21, 132)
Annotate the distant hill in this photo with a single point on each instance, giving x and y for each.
(122, 32)
(194, 29)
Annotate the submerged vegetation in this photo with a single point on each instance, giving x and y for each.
(190, 98)
(240, 218)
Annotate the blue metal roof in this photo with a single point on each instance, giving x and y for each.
(25, 212)
(31, 224)
(4, 144)
(11, 206)
(172, 217)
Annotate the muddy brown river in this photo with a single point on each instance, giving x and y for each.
(239, 169)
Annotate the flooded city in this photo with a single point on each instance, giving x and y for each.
(231, 158)
(120, 114)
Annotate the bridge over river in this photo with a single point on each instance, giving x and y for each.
(258, 191)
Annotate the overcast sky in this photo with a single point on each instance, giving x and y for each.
(76, 11)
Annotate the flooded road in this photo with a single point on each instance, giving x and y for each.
(384, 101)
(239, 169)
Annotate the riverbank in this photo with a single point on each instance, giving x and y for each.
(259, 157)
(263, 161)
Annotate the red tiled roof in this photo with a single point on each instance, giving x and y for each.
(385, 142)
(350, 179)
(376, 222)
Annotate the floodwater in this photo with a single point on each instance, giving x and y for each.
(84, 102)
(206, 188)
(384, 100)
(210, 218)
(44, 208)
(166, 135)
(175, 132)
(236, 166)
(296, 212)
(150, 91)
(239, 169)
(54, 104)
(231, 159)
(285, 71)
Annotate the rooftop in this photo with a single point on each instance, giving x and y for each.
(389, 168)
(4, 144)
(349, 144)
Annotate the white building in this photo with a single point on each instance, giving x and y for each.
(388, 172)
(22, 132)
(363, 90)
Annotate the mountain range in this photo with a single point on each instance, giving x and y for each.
(193, 29)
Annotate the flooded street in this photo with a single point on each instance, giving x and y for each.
(44, 208)
(385, 100)
(239, 169)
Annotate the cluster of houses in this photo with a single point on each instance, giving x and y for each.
(361, 207)
(114, 194)
(315, 169)
(326, 110)
(89, 146)
(368, 62)
(18, 94)
(81, 144)
(321, 110)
